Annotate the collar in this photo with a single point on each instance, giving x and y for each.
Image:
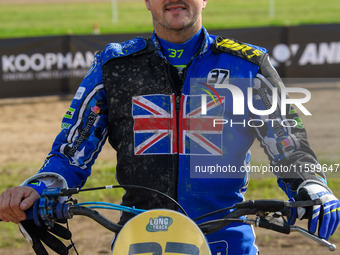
(203, 49)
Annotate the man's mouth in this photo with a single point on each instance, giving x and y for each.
(175, 8)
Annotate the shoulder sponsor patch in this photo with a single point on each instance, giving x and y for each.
(65, 125)
(79, 93)
(69, 113)
(246, 51)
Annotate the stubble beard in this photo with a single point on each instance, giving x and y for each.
(164, 24)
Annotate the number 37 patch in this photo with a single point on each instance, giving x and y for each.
(218, 76)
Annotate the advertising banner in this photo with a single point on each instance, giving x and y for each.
(309, 52)
(33, 66)
(48, 65)
(56, 64)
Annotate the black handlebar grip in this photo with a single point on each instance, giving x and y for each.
(271, 205)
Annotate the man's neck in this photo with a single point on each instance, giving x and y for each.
(180, 54)
(177, 36)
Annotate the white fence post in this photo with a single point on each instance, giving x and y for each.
(271, 8)
(114, 11)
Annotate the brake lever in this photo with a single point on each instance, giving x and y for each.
(279, 224)
(315, 238)
(275, 222)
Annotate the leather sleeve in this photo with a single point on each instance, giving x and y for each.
(83, 131)
(283, 137)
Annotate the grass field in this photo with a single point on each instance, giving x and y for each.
(68, 17)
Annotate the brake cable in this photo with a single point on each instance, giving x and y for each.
(72, 191)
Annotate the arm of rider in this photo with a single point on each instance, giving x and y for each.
(326, 216)
(290, 147)
(14, 202)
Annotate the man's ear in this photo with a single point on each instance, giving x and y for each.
(203, 5)
(147, 4)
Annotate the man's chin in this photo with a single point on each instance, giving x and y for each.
(179, 26)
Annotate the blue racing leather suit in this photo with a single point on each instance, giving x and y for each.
(178, 132)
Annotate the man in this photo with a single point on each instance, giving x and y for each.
(146, 97)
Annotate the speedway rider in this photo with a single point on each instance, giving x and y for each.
(141, 95)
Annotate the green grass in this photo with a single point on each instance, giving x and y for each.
(267, 188)
(22, 20)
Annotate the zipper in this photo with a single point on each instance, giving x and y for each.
(178, 90)
(182, 75)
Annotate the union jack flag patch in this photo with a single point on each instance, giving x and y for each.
(155, 126)
(199, 136)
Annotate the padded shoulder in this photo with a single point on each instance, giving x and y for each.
(117, 50)
(246, 51)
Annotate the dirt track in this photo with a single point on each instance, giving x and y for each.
(28, 128)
